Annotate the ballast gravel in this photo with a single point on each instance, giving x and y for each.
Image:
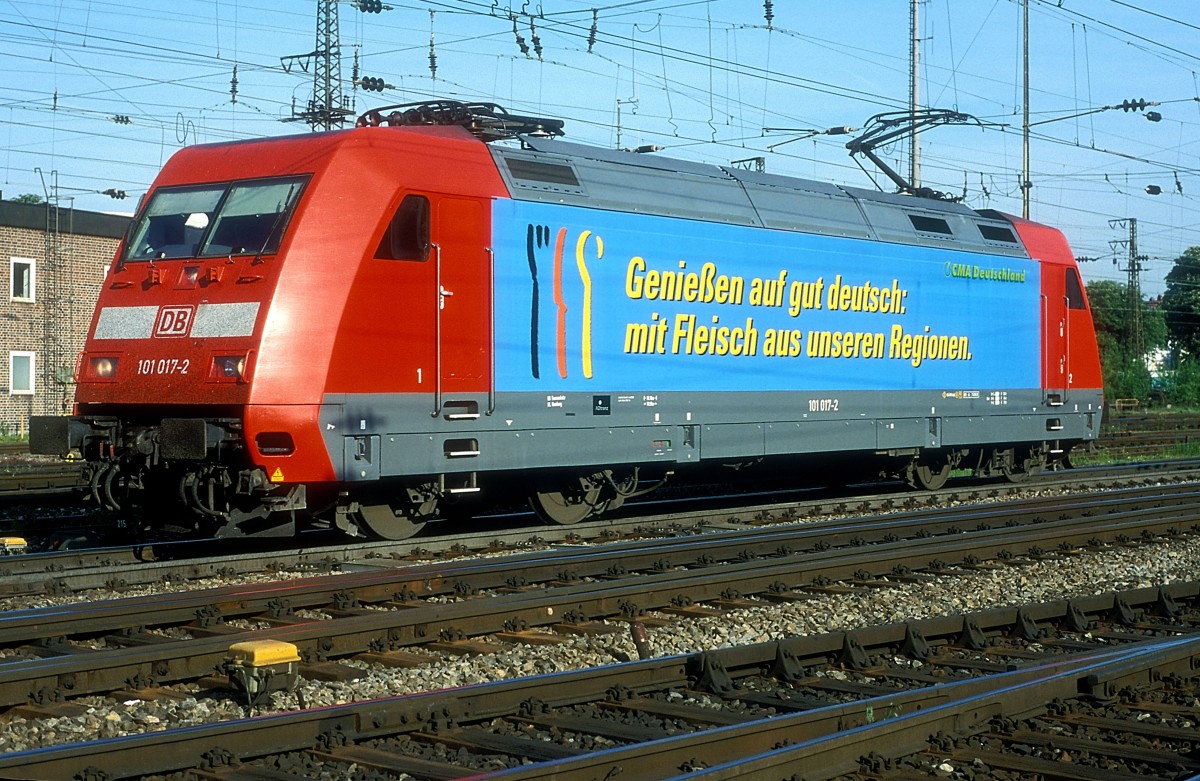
(1175, 560)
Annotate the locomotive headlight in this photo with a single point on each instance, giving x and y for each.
(228, 368)
(102, 368)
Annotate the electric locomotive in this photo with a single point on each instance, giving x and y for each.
(375, 327)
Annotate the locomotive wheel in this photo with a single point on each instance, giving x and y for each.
(384, 523)
(930, 478)
(571, 505)
(1022, 466)
(1019, 473)
(1015, 474)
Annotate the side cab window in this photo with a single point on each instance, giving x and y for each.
(1075, 298)
(407, 235)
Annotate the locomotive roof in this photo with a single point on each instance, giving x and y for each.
(562, 172)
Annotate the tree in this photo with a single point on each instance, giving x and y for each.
(1181, 304)
(29, 198)
(1154, 328)
(1126, 375)
(1108, 302)
(1181, 313)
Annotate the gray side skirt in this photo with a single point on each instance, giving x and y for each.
(386, 435)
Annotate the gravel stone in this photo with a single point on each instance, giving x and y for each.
(1081, 574)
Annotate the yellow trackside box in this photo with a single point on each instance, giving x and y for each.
(261, 653)
(9, 545)
(259, 667)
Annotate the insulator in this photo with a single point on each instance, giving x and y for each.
(537, 42)
(592, 32)
(520, 40)
(768, 12)
(432, 50)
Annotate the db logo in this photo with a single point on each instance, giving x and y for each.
(173, 321)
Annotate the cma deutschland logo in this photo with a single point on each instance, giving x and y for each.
(174, 320)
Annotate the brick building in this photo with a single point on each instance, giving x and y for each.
(54, 260)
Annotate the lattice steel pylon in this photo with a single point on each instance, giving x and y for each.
(327, 108)
(1133, 288)
(57, 302)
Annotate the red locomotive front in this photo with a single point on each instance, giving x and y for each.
(244, 295)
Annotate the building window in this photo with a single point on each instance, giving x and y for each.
(23, 283)
(20, 373)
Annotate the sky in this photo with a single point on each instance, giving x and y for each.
(96, 96)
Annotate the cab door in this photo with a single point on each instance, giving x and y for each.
(1055, 334)
(463, 315)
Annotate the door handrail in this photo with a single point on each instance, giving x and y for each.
(440, 299)
(491, 405)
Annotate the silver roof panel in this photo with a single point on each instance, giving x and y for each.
(576, 174)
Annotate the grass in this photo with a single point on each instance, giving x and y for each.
(1105, 457)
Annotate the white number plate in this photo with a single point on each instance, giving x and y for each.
(163, 365)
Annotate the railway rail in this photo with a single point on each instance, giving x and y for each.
(1101, 687)
(166, 639)
(39, 479)
(1134, 437)
(1123, 438)
(126, 567)
(50, 481)
(381, 608)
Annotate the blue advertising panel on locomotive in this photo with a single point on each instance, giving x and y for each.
(591, 300)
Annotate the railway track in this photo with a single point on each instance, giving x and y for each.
(99, 647)
(61, 573)
(21, 479)
(1102, 687)
(379, 609)
(1122, 439)
(1132, 437)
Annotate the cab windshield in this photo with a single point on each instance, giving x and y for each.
(231, 218)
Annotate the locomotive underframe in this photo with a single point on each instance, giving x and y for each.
(574, 458)
(390, 484)
(147, 469)
(394, 434)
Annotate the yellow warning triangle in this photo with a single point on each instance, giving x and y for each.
(277, 475)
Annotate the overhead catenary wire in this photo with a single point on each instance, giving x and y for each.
(570, 48)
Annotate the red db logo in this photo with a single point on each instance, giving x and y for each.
(173, 321)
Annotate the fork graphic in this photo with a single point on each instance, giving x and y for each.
(537, 240)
